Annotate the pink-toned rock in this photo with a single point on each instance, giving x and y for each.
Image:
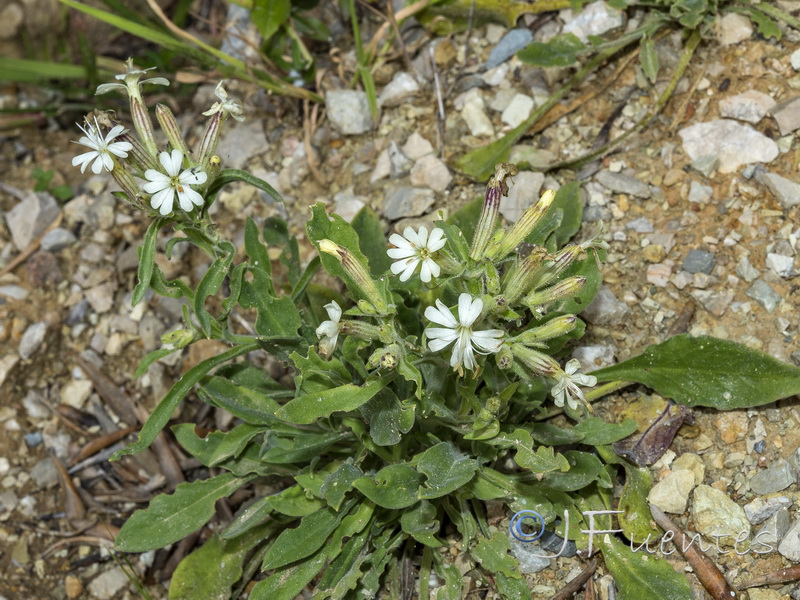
(659, 274)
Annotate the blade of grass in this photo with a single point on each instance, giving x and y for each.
(35, 71)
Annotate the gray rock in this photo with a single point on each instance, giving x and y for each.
(431, 172)
(699, 261)
(605, 309)
(517, 110)
(671, 494)
(474, 114)
(733, 28)
(623, 184)
(714, 301)
(775, 528)
(787, 115)
(96, 211)
(597, 213)
(522, 193)
(57, 239)
(242, 142)
(14, 292)
(691, 462)
(787, 192)
(640, 225)
(706, 164)
(347, 205)
(794, 59)
(101, 297)
(763, 293)
(778, 476)
(746, 270)
(399, 163)
(594, 357)
(595, 19)
(509, 44)
(761, 509)
(790, 544)
(398, 90)
(28, 219)
(32, 339)
(150, 330)
(529, 555)
(348, 111)
(780, 264)
(44, 473)
(406, 201)
(34, 406)
(108, 584)
(716, 515)
(700, 193)
(733, 143)
(750, 106)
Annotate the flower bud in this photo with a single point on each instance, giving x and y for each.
(143, 125)
(523, 227)
(208, 143)
(169, 125)
(389, 360)
(559, 264)
(523, 274)
(563, 289)
(552, 329)
(535, 361)
(357, 278)
(125, 180)
(360, 329)
(504, 358)
(179, 338)
(495, 190)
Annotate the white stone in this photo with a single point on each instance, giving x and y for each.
(750, 106)
(108, 584)
(659, 274)
(348, 111)
(716, 515)
(416, 147)
(431, 172)
(780, 265)
(398, 90)
(76, 393)
(795, 59)
(733, 143)
(523, 192)
(733, 28)
(595, 19)
(672, 493)
(494, 77)
(594, 357)
(517, 110)
(474, 114)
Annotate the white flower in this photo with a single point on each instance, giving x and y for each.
(231, 106)
(329, 330)
(131, 78)
(460, 331)
(163, 187)
(102, 148)
(413, 248)
(566, 389)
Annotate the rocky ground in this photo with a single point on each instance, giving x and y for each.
(702, 217)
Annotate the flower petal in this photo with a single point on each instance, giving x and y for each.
(411, 236)
(401, 252)
(400, 241)
(436, 240)
(441, 315)
(442, 333)
(409, 270)
(468, 309)
(425, 271)
(422, 237)
(489, 340)
(334, 310)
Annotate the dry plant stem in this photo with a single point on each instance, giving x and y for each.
(680, 69)
(681, 111)
(404, 13)
(591, 593)
(591, 396)
(309, 125)
(704, 568)
(98, 444)
(776, 577)
(440, 115)
(574, 586)
(79, 539)
(74, 508)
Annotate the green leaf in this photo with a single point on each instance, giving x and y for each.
(300, 448)
(641, 575)
(465, 219)
(552, 435)
(217, 446)
(766, 26)
(649, 59)
(211, 571)
(421, 523)
(209, 285)
(388, 418)
(287, 582)
(163, 412)
(171, 518)
(446, 468)
(392, 487)
(227, 176)
(147, 256)
(543, 460)
(705, 371)
(339, 483)
(21, 70)
(269, 15)
(152, 357)
(294, 502)
(372, 241)
(493, 555)
(561, 51)
(249, 405)
(568, 199)
(257, 252)
(584, 468)
(597, 432)
(308, 408)
(302, 541)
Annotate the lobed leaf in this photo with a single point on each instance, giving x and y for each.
(446, 468)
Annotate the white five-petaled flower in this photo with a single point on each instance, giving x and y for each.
(414, 248)
(460, 331)
(164, 186)
(131, 78)
(101, 148)
(329, 330)
(229, 106)
(566, 389)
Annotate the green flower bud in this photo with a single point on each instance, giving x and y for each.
(143, 125)
(504, 358)
(566, 288)
(535, 361)
(523, 227)
(358, 279)
(169, 125)
(180, 338)
(552, 329)
(522, 275)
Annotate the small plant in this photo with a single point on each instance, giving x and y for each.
(420, 393)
